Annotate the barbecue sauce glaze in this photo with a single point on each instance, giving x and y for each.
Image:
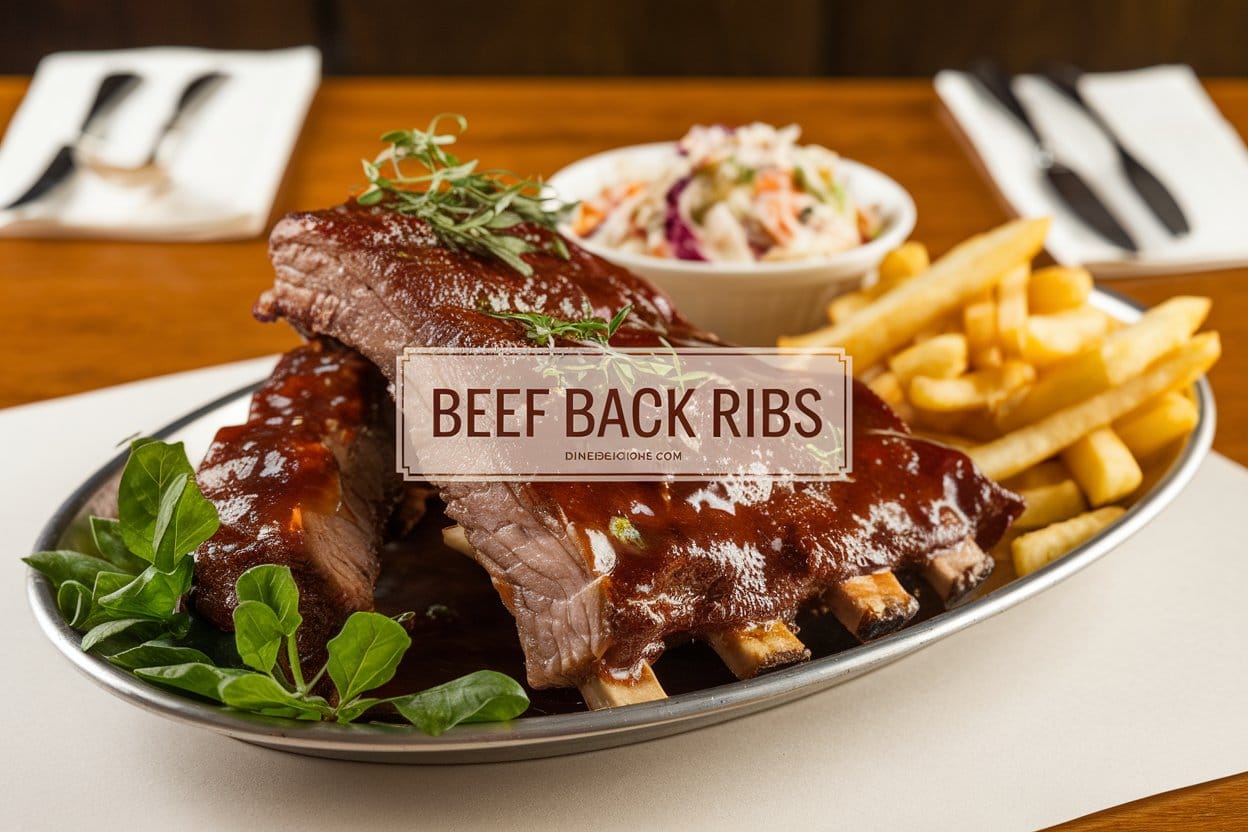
(306, 482)
(691, 556)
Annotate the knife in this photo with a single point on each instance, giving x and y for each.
(1155, 195)
(112, 89)
(1068, 184)
(191, 94)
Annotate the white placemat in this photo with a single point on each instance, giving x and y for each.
(1125, 681)
(1167, 120)
(222, 170)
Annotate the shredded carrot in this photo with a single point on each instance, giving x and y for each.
(589, 217)
(773, 179)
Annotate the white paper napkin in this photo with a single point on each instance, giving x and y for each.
(221, 172)
(1124, 681)
(1163, 115)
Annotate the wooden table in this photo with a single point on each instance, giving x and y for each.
(80, 315)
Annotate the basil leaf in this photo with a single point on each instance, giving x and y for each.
(207, 639)
(62, 565)
(274, 586)
(202, 679)
(112, 548)
(158, 653)
(352, 710)
(122, 634)
(365, 653)
(163, 516)
(262, 694)
(484, 696)
(105, 583)
(73, 599)
(170, 496)
(178, 624)
(152, 594)
(257, 635)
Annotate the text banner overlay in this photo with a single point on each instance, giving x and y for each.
(636, 414)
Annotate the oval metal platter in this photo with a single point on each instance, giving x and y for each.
(545, 736)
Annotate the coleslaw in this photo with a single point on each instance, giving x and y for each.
(732, 195)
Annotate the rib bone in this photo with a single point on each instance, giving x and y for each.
(871, 605)
(751, 649)
(601, 691)
(955, 573)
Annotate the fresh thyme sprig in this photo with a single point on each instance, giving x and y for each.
(467, 209)
(542, 329)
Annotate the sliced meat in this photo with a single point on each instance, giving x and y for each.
(307, 483)
(704, 555)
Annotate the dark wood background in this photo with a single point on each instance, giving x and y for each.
(652, 37)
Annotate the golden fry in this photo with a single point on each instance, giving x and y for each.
(1164, 327)
(888, 388)
(1103, 467)
(1049, 472)
(1047, 504)
(943, 356)
(847, 305)
(1158, 423)
(1058, 288)
(1049, 339)
(1036, 549)
(981, 388)
(1012, 309)
(1023, 448)
(897, 316)
(899, 265)
(980, 324)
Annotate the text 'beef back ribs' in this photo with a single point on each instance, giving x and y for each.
(307, 482)
(706, 557)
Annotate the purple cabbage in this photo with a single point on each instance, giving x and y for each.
(679, 233)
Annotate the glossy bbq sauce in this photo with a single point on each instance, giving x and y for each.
(461, 625)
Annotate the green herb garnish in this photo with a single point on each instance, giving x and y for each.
(623, 530)
(542, 329)
(128, 598)
(468, 209)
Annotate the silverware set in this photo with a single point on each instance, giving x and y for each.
(113, 89)
(1068, 185)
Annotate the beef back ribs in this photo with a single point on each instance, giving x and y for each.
(307, 482)
(705, 555)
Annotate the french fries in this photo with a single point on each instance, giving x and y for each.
(1035, 443)
(1058, 289)
(1043, 546)
(941, 356)
(1043, 390)
(887, 386)
(1125, 353)
(1048, 339)
(1158, 423)
(899, 314)
(1103, 466)
(982, 388)
(979, 321)
(1048, 504)
(1012, 309)
(844, 307)
(899, 265)
(1050, 472)
(1163, 328)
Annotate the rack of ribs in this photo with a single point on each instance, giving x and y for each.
(307, 482)
(717, 561)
